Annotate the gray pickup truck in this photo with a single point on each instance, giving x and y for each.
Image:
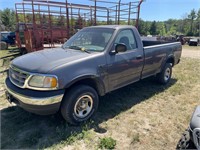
(95, 61)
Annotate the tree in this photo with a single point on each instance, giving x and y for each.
(161, 28)
(8, 19)
(2, 27)
(153, 27)
(198, 22)
(173, 30)
(191, 17)
(61, 21)
(141, 27)
(198, 15)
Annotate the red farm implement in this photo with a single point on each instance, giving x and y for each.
(43, 23)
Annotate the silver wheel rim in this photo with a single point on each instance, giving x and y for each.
(83, 106)
(167, 74)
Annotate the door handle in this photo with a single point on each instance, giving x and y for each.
(139, 57)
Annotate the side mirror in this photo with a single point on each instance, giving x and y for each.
(120, 48)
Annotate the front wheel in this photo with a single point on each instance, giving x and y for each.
(79, 104)
(165, 75)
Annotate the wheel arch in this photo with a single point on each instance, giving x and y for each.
(89, 80)
(170, 60)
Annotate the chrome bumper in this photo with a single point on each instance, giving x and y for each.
(35, 101)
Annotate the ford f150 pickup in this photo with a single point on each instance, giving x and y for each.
(93, 62)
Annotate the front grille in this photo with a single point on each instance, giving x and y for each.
(17, 76)
(198, 137)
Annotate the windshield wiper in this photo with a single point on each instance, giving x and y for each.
(79, 48)
(85, 50)
(75, 47)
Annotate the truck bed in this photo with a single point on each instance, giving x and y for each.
(156, 52)
(152, 43)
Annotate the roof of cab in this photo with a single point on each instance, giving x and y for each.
(112, 26)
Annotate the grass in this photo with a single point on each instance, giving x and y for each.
(135, 138)
(107, 143)
(144, 115)
(5, 62)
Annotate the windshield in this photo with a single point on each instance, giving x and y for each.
(90, 39)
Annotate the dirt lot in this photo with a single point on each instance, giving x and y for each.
(192, 52)
(144, 115)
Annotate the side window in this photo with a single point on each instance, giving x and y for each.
(126, 37)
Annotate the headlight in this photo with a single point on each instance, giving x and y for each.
(39, 81)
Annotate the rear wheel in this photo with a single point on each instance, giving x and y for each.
(79, 104)
(4, 45)
(165, 75)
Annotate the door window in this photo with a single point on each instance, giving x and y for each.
(126, 37)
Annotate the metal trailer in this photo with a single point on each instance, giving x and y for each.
(44, 22)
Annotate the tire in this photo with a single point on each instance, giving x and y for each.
(165, 75)
(4, 45)
(79, 104)
(185, 142)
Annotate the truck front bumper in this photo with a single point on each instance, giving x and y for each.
(38, 102)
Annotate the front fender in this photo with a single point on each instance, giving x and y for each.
(96, 82)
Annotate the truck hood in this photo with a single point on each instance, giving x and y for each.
(46, 60)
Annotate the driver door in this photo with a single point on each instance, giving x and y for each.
(125, 67)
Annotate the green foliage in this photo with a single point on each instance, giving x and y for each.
(8, 19)
(198, 15)
(2, 27)
(79, 23)
(161, 28)
(188, 25)
(144, 27)
(191, 17)
(61, 20)
(107, 143)
(153, 28)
